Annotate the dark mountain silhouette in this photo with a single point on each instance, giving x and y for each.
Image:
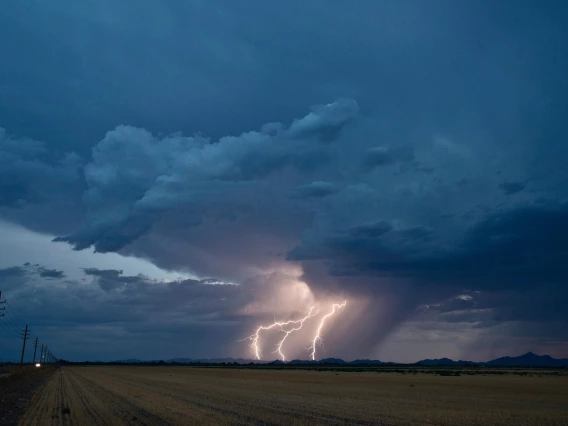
(300, 361)
(366, 361)
(529, 360)
(332, 361)
(445, 361)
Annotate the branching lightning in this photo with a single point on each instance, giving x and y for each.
(289, 327)
(288, 332)
(318, 340)
(281, 324)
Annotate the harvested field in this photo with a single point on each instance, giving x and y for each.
(217, 396)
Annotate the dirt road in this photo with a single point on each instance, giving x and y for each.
(70, 398)
(200, 396)
(17, 388)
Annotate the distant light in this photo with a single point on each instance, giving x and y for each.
(38, 365)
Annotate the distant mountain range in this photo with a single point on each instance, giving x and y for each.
(527, 360)
(530, 359)
(445, 361)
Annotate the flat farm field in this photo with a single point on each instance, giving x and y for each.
(120, 395)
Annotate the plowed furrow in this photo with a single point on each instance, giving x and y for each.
(68, 400)
(228, 407)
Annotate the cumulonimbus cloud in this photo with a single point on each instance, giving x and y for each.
(135, 176)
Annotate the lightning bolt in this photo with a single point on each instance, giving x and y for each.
(288, 332)
(254, 337)
(317, 338)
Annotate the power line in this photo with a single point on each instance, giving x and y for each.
(10, 308)
(10, 318)
(9, 330)
(16, 319)
(6, 321)
(12, 326)
(10, 323)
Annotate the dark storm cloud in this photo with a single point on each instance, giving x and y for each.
(511, 249)
(515, 248)
(104, 273)
(28, 269)
(365, 242)
(370, 230)
(12, 272)
(134, 176)
(51, 273)
(510, 188)
(406, 179)
(317, 189)
(29, 173)
(111, 279)
(387, 156)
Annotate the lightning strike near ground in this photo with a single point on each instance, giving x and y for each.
(288, 332)
(318, 340)
(254, 337)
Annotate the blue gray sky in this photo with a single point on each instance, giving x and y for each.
(174, 173)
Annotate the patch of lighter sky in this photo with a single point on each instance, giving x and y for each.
(464, 297)
(19, 245)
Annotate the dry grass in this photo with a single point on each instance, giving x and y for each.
(15, 371)
(184, 396)
(18, 389)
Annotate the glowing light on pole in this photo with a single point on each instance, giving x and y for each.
(317, 338)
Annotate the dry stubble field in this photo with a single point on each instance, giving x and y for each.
(202, 396)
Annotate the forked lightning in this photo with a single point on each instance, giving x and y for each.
(254, 337)
(295, 326)
(288, 332)
(317, 338)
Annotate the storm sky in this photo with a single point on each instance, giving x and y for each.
(175, 173)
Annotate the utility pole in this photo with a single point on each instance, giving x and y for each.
(2, 309)
(35, 348)
(25, 337)
(45, 355)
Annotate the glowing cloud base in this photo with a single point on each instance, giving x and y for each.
(291, 326)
